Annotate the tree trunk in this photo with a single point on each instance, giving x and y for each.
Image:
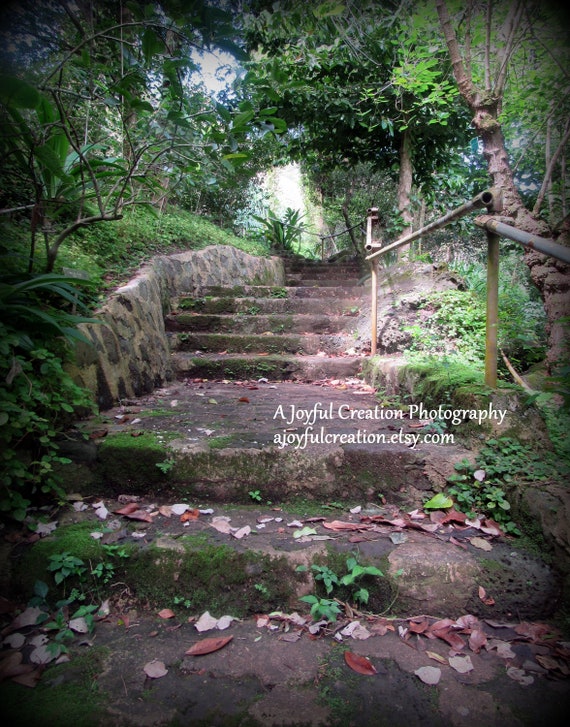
(405, 187)
(551, 276)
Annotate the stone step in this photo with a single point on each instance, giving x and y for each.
(309, 344)
(323, 282)
(266, 291)
(271, 367)
(254, 322)
(268, 306)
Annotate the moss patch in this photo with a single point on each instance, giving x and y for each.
(66, 696)
(125, 460)
(214, 578)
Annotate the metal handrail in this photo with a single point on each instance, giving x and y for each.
(492, 200)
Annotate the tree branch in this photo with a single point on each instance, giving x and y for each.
(464, 82)
(550, 168)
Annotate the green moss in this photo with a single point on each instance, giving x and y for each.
(66, 696)
(125, 460)
(214, 578)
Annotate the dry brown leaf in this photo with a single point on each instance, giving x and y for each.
(481, 544)
(359, 664)
(429, 674)
(133, 512)
(477, 639)
(487, 600)
(155, 669)
(189, 515)
(534, 631)
(461, 664)
(166, 613)
(244, 400)
(207, 646)
(436, 657)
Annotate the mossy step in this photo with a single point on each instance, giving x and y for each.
(268, 342)
(271, 367)
(268, 306)
(263, 291)
(345, 282)
(254, 322)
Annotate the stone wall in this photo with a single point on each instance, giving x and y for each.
(129, 353)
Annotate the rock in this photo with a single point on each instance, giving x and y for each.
(435, 580)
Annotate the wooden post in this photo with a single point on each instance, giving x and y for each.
(492, 310)
(374, 311)
(371, 221)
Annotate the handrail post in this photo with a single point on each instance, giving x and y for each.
(371, 222)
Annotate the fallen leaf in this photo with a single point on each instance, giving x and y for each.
(520, 676)
(189, 515)
(461, 664)
(155, 669)
(79, 625)
(244, 400)
(166, 613)
(207, 646)
(487, 600)
(242, 532)
(436, 657)
(359, 664)
(206, 622)
(477, 639)
(548, 662)
(429, 674)
(304, 531)
(224, 622)
(221, 524)
(179, 508)
(534, 631)
(438, 502)
(481, 543)
(504, 650)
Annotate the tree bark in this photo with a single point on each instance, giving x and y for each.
(551, 276)
(405, 186)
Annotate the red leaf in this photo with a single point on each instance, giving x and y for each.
(133, 512)
(477, 639)
(207, 646)
(244, 399)
(487, 600)
(359, 664)
(189, 515)
(166, 613)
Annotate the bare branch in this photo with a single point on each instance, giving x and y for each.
(550, 168)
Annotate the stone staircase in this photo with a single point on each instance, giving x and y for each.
(300, 332)
(268, 396)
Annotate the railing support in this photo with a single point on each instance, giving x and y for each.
(371, 223)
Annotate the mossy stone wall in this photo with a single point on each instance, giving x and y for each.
(129, 354)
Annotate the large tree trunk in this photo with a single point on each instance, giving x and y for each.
(405, 186)
(551, 276)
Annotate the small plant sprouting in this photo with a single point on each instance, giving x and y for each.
(64, 565)
(255, 495)
(323, 607)
(165, 466)
(262, 589)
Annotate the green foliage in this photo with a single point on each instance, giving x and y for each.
(328, 609)
(282, 234)
(38, 398)
(64, 565)
(501, 465)
(322, 608)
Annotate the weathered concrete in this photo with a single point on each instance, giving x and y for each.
(130, 353)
